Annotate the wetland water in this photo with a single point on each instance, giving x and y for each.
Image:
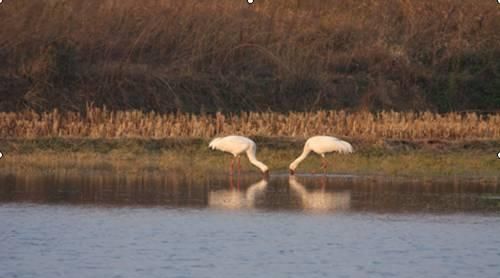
(93, 223)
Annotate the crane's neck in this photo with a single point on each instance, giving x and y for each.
(255, 162)
(299, 159)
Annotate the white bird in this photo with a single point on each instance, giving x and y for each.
(236, 145)
(321, 145)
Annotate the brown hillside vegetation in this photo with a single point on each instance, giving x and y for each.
(226, 55)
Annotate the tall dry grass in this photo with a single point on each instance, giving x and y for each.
(224, 55)
(102, 123)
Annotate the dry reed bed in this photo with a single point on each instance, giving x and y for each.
(102, 123)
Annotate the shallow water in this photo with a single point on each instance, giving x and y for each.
(86, 223)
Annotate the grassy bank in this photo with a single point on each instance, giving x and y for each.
(280, 55)
(385, 157)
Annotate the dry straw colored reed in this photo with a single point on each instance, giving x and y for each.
(103, 123)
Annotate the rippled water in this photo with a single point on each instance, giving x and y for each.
(72, 223)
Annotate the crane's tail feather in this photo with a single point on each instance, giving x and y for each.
(344, 147)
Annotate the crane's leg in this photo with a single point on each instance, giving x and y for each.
(239, 165)
(231, 182)
(324, 165)
(232, 167)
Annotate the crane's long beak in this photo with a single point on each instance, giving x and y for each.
(292, 172)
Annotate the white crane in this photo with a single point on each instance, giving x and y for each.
(321, 145)
(236, 145)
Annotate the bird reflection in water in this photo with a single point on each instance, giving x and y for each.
(320, 200)
(234, 198)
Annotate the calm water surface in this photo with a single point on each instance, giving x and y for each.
(76, 223)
